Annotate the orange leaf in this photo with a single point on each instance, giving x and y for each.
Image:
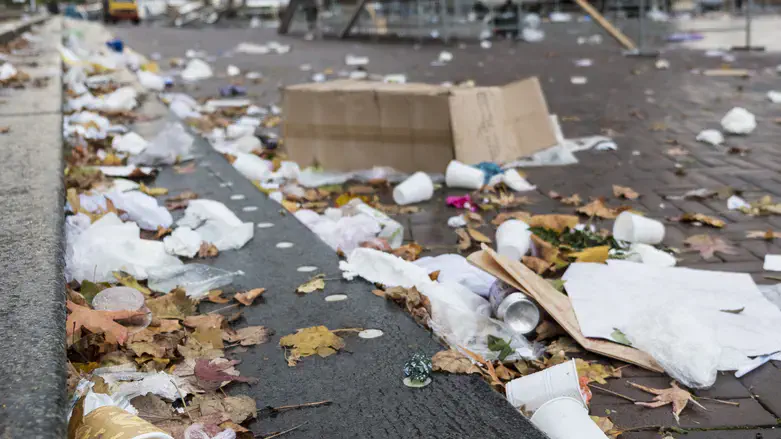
(99, 322)
(247, 298)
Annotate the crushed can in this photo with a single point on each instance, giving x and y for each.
(514, 308)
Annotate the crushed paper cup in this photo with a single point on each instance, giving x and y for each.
(533, 391)
(418, 187)
(631, 227)
(459, 175)
(566, 418)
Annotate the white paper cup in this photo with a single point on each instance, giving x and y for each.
(513, 239)
(532, 391)
(566, 418)
(463, 176)
(637, 228)
(418, 187)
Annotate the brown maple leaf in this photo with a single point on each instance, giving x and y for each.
(211, 374)
(673, 395)
(98, 322)
(625, 192)
(504, 216)
(572, 200)
(598, 208)
(207, 250)
(707, 245)
(700, 218)
(454, 362)
(247, 298)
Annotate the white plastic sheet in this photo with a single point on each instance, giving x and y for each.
(196, 279)
(252, 166)
(183, 242)
(455, 268)
(142, 209)
(711, 137)
(216, 224)
(196, 70)
(130, 143)
(151, 81)
(170, 144)
(739, 121)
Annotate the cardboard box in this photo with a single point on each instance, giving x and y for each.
(351, 125)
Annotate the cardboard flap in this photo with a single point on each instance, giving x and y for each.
(500, 124)
(557, 305)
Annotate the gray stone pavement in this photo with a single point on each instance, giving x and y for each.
(647, 111)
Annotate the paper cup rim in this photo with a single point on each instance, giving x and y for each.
(557, 399)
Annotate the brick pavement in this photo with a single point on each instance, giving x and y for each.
(649, 111)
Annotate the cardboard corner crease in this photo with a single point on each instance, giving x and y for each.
(347, 125)
(557, 305)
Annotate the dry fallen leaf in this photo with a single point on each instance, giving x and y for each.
(599, 209)
(454, 362)
(606, 425)
(5, 130)
(248, 297)
(768, 235)
(677, 151)
(537, 265)
(212, 374)
(248, 336)
(596, 372)
(204, 321)
(700, 218)
(592, 254)
(478, 236)
(129, 281)
(215, 296)
(625, 192)
(464, 241)
(409, 252)
(310, 341)
(572, 200)
(707, 245)
(152, 191)
(98, 322)
(504, 216)
(174, 305)
(562, 344)
(673, 395)
(554, 222)
(548, 329)
(314, 284)
(545, 250)
(208, 250)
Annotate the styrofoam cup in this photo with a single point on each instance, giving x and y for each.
(513, 239)
(463, 176)
(637, 228)
(532, 391)
(566, 418)
(418, 187)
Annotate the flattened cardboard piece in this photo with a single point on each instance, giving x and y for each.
(557, 305)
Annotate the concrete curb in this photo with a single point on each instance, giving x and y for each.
(33, 400)
(13, 29)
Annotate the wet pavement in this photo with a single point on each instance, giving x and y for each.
(647, 111)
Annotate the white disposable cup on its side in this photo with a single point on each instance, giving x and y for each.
(637, 228)
(566, 418)
(463, 176)
(532, 391)
(513, 239)
(416, 188)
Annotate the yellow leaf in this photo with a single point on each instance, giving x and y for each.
(596, 372)
(554, 222)
(768, 234)
(478, 236)
(537, 265)
(573, 200)
(701, 218)
(310, 341)
(247, 298)
(464, 241)
(174, 305)
(592, 254)
(129, 281)
(152, 191)
(598, 208)
(504, 216)
(314, 284)
(625, 192)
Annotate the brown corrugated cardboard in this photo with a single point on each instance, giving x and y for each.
(350, 125)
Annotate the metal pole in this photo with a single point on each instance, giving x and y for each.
(749, 4)
(641, 16)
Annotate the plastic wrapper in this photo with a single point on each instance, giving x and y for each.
(183, 242)
(455, 268)
(142, 209)
(198, 431)
(739, 121)
(201, 210)
(130, 143)
(170, 144)
(252, 167)
(225, 236)
(692, 360)
(110, 245)
(151, 81)
(711, 137)
(392, 231)
(196, 70)
(86, 124)
(121, 99)
(196, 279)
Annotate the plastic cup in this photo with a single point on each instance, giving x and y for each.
(418, 187)
(566, 418)
(513, 239)
(637, 228)
(459, 175)
(533, 391)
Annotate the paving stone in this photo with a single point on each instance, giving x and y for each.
(768, 433)
(765, 384)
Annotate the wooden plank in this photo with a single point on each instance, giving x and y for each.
(605, 24)
(557, 305)
(353, 19)
(287, 17)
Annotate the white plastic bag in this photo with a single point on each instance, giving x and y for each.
(201, 210)
(183, 242)
(692, 360)
(196, 70)
(151, 81)
(121, 99)
(170, 144)
(455, 268)
(711, 137)
(130, 143)
(142, 209)
(739, 121)
(252, 166)
(216, 224)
